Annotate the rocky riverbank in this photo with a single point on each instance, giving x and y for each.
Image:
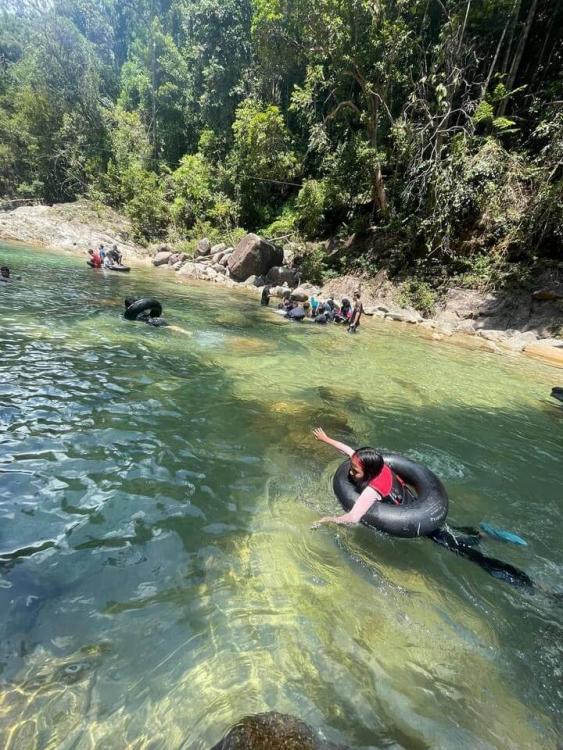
(526, 321)
(71, 226)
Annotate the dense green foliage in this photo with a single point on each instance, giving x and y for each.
(431, 128)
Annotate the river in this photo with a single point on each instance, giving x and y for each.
(159, 578)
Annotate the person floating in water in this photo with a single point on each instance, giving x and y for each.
(357, 311)
(94, 261)
(4, 274)
(145, 316)
(379, 483)
(265, 296)
(369, 471)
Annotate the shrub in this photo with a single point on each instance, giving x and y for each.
(418, 294)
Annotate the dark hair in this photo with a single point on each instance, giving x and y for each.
(345, 302)
(371, 461)
(5, 270)
(357, 295)
(129, 301)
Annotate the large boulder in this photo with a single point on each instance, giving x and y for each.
(301, 294)
(282, 275)
(274, 731)
(253, 256)
(160, 259)
(176, 258)
(203, 247)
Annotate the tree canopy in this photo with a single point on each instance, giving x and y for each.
(435, 123)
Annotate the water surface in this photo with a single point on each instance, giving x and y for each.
(158, 575)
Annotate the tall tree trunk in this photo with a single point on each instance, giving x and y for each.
(544, 46)
(513, 21)
(517, 59)
(497, 51)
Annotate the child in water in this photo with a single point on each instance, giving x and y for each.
(368, 470)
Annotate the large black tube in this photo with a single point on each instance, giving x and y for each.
(152, 305)
(419, 515)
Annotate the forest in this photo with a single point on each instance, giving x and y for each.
(428, 131)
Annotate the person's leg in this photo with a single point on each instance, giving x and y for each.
(464, 546)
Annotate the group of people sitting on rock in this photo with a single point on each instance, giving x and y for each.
(102, 258)
(315, 310)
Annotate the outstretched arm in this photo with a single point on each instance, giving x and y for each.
(321, 435)
(361, 507)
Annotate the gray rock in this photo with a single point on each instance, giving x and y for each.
(219, 248)
(176, 257)
(203, 247)
(278, 291)
(282, 275)
(253, 256)
(407, 315)
(301, 294)
(548, 294)
(224, 260)
(219, 268)
(374, 310)
(520, 341)
(160, 259)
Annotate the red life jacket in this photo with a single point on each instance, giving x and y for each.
(390, 486)
(96, 260)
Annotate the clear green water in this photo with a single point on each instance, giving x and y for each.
(176, 479)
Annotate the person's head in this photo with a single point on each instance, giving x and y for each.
(114, 247)
(129, 301)
(5, 272)
(365, 465)
(345, 303)
(357, 295)
(90, 252)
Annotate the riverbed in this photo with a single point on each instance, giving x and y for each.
(159, 578)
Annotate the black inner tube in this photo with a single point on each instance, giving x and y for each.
(431, 499)
(421, 513)
(152, 305)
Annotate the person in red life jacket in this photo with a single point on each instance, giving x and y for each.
(94, 260)
(369, 471)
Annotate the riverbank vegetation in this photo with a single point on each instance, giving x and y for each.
(422, 136)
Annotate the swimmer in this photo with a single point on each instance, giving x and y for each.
(157, 322)
(343, 314)
(379, 483)
(368, 471)
(265, 296)
(4, 274)
(94, 260)
(296, 313)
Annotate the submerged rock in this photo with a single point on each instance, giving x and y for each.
(273, 731)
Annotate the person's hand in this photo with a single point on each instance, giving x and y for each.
(320, 434)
